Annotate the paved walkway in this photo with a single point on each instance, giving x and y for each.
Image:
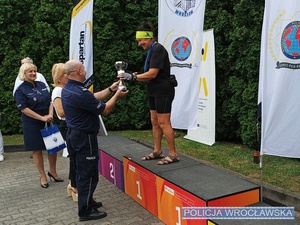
(23, 201)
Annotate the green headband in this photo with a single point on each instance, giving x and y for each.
(144, 34)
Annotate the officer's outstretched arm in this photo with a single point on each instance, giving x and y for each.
(113, 100)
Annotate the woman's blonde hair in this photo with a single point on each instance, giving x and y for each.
(25, 67)
(57, 73)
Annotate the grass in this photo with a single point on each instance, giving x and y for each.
(13, 139)
(278, 171)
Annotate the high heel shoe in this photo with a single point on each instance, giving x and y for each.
(52, 177)
(69, 190)
(46, 185)
(75, 196)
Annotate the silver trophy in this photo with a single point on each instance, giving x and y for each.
(121, 66)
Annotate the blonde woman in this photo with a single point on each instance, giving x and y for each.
(34, 101)
(59, 81)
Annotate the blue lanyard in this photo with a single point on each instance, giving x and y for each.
(148, 53)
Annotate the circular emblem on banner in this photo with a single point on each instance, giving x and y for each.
(183, 8)
(290, 40)
(181, 48)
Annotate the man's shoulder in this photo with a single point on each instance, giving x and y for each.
(39, 74)
(40, 77)
(72, 84)
(74, 88)
(159, 48)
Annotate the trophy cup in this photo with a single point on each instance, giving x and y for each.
(121, 66)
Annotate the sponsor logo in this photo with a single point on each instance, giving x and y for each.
(284, 41)
(183, 8)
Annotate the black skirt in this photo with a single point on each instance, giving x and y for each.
(33, 139)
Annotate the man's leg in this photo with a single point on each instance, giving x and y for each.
(165, 125)
(156, 131)
(86, 155)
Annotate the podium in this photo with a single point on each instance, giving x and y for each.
(164, 189)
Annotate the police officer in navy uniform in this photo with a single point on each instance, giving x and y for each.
(82, 109)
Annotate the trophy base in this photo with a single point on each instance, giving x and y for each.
(123, 88)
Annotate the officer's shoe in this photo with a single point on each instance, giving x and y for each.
(94, 215)
(94, 204)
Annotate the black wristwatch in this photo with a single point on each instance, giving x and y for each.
(111, 91)
(134, 77)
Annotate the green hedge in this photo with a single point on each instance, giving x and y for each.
(40, 30)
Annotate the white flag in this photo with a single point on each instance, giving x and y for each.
(81, 43)
(180, 29)
(205, 132)
(81, 37)
(279, 79)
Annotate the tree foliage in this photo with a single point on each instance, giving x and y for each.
(40, 30)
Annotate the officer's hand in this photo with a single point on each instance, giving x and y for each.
(115, 85)
(121, 93)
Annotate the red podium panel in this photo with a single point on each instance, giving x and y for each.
(112, 169)
(171, 199)
(140, 184)
(245, 198)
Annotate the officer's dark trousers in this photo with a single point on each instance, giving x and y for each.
(83, 148)
(72, 170)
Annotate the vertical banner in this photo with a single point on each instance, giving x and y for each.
(279, 79)
(205, 131)
(81, 43)
(180, 28)
(81, 38)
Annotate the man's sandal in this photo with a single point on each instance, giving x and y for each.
(168, 160)
(153, 155)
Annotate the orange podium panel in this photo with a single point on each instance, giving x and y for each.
(244, 198)
(140, 184)
(171, 199)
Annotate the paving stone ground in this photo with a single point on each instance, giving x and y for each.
(24, 202)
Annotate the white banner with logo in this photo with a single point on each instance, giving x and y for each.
(81, 37)
(205, 131)
(180, 29)
(279, 79)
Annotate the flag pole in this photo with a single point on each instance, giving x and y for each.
(260, 155)
(261, 177)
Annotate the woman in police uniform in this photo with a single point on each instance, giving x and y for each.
(33, 100)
